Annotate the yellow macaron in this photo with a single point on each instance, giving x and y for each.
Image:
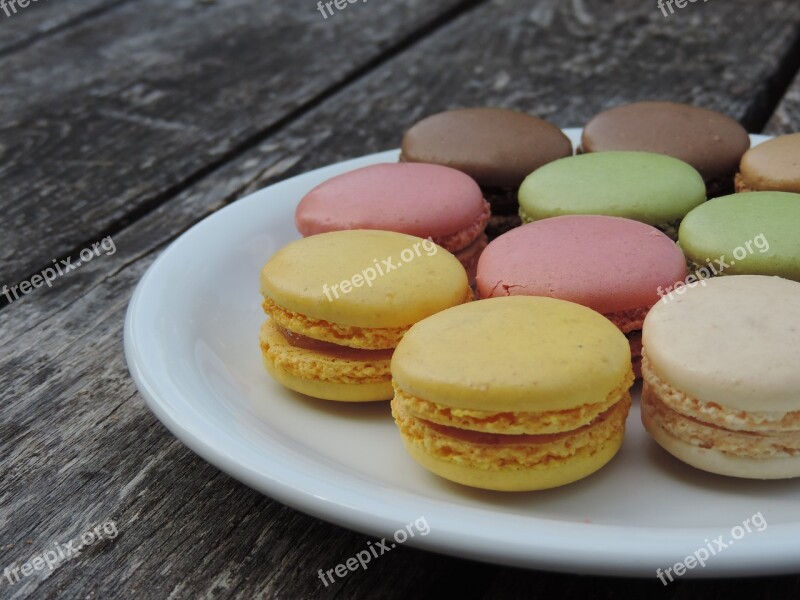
(338, 304)
(514, 393)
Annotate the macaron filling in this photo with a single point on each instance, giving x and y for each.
(455, 242)
(335, 350)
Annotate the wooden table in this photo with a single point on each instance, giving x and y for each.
(136, 119)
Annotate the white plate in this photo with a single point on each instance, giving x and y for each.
(191, 344)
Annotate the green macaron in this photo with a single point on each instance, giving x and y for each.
(752, 233)
(652, 188)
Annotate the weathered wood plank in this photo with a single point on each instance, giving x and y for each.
(41, 18)
(77, 444)
(786, 118)
(103, 121)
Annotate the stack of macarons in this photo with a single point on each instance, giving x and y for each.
(513, 394)
(726, 399)
(338, 304)
(581, 289)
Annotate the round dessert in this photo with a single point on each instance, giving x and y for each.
(512, 394)
(751, 233)
(497, 147)
(339, 302)
(721, 385)
(651, 188)
(709, 141)
(618, 267)
(428, 201)
(771, 166)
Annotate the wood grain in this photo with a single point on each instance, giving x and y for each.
(77, 444)
(43, 18)
(103, 122)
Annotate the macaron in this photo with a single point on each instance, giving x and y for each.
(512, 394)
(711, 142)
(751, 233)
(427, 201)
(497, 147)
(338, 304)
(721, 387)
(651, 188)
(771, 166)
(615, 266)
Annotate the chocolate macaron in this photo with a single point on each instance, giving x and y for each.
(497, 147)
(709, 141)
(773, 166)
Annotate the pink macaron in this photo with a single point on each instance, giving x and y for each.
(428, 201)
(616, 266)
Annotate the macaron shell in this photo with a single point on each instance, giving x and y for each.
(416, 199)
(609, 264)
(321, 376)
(733, 341)
(711, 142)
(496, 147)
(650, 188)
(517, 353)
(326, 390)
(773, 165)
(716, 461)
(722, 228)
(430, 280)
(557, 474)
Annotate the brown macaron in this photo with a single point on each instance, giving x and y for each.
(709, 141)
(773, 166)
(497, 147)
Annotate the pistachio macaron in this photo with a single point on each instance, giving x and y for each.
(339, 302)
(512, 394)
(751, 233)
(652, 188)
(721, 385)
